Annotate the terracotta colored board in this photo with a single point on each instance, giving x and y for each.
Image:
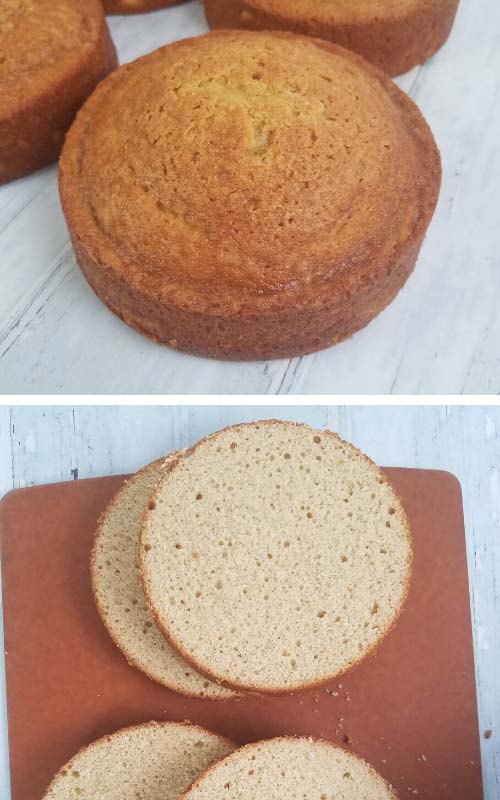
(410, 709)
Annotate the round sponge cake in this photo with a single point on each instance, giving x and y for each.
(157, 761)
(135, 6)
(53, 54)
(393, 34)
(275, 556)
(119, 595)
(248, 195)
(286, 767)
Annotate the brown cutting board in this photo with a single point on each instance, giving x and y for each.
(410, 709)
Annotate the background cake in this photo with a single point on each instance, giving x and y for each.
(393, 34)
(53, 54)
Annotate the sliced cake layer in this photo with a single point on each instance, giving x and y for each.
(275, 556)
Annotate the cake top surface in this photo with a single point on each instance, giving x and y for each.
(295, 768)
(275, 556)
(38, 39)
(247, 164)
(119, 594)
(155, 760)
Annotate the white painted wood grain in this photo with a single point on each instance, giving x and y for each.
(5, 483)
(45, 444)
(440, 335)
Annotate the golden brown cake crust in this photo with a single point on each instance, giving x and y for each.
(136, 6)
(395, 35)
(54, 52)
(248, 195)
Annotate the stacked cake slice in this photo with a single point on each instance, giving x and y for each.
(269, 557)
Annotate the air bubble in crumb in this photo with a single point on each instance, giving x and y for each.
(218, 584)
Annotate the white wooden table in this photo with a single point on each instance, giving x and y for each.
(42, 444)
(441, 335)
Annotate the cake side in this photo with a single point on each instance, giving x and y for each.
(259, 334)
(136, 6)
(394, 37)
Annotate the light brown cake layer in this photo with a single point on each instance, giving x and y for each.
(248, 195)
(119, 596)
(53, 54)
(157, 761)
(291, 768)
(275, 556)
(395, 35)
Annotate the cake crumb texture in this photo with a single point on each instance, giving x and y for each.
(154, 761)
(303, 561)
(291, 768)
(119, 596)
